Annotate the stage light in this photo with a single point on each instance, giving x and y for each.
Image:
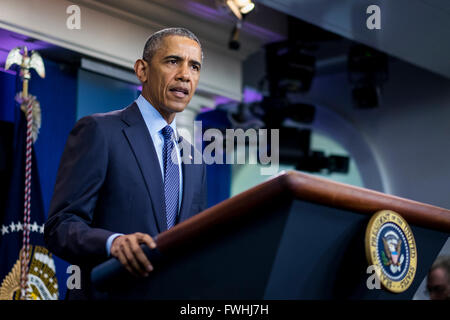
(240, 7)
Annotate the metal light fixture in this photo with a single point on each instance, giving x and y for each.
(240, 7)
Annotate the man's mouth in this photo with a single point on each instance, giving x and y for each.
(179, 92)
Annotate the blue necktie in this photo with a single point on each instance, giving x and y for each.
(171, 177)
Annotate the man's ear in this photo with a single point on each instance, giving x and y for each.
(141, 70)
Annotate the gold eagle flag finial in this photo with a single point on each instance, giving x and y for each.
(26, 63)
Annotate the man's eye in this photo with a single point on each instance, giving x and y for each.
(173, 61)
(196, 67)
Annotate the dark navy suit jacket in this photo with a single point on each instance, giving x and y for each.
(109, 181)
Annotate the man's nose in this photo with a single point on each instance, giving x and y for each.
(183, 73)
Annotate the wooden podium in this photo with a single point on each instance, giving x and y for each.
(294, 236)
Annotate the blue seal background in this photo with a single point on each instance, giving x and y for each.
(397, 276)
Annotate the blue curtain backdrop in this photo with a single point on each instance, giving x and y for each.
(7, 91)
(98, 93)
(218, 175)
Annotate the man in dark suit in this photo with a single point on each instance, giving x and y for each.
(121, 180)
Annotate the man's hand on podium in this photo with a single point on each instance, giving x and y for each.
(127, 249)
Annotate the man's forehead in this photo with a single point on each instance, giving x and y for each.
(179, 45)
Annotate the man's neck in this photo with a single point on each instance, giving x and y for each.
(169, 117)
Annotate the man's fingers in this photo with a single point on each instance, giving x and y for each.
(128, 249)
(145, 238)
(140, 256)
(123, 260)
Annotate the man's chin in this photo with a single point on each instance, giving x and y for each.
(178, 106)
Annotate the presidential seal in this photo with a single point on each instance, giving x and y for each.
(391, 248)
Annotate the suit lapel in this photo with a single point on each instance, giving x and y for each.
(143, 148)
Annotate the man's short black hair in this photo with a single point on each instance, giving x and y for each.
(154, 41)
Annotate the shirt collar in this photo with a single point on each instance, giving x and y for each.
(153, 119)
